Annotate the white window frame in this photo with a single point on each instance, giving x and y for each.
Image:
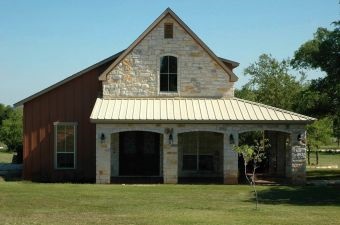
(75, 125)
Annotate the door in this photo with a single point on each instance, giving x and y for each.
(139, 153)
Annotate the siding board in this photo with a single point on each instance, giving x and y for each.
(70, 102)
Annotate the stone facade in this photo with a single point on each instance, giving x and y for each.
(198, 75)
(137, 75)
(107, 154)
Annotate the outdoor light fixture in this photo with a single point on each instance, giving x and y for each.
(299, 137)
(231, 139)
(170, 131)
(102, 137)
(171, 139)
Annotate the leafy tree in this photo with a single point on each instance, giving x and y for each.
(319, 133)
(11, 130)
(323, 95)
(254, 154)
(4, 111)
(271, 83)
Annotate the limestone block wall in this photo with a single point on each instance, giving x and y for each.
(230, 159)
(103, 158)
(170, 160)
(296, 160)
(114, 154)
(137, 75)
(107, 157)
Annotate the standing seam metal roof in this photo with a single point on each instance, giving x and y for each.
(195, 110)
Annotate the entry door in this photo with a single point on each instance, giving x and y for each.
(139, 153)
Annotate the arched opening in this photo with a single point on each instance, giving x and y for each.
(136, 154)
(273, 167)
(200, 157)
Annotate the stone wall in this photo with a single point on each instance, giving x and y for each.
(230, 159)
(105, 152)
(103, 158)
(137, 75)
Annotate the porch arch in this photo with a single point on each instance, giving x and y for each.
(200, 156)
(137, 153)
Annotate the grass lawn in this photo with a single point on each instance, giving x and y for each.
(6, 157)
(325, 159)
(34, 203)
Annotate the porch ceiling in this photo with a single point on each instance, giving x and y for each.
(190, 110)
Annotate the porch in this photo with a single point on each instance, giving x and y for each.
(183, 140)
(189, 153)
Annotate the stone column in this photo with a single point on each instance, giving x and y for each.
(103, 157)
(296, 159)
(170, 158)
(230, 159)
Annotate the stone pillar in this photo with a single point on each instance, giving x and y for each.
(230, 159)
(103, 157)
(296, 159)
(115, 155)
(170, 159)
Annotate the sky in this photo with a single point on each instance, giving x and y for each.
(43, 42)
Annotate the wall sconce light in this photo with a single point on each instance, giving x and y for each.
(171, 139)
(231, 139)
(299, 137)
(102, 137)
(170, 131)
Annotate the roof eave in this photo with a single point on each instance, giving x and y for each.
(276, 122)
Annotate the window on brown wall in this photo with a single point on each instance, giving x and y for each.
(168, 30)
(65, 137)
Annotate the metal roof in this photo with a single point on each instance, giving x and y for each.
(190, 110)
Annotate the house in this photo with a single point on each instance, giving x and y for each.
(163, 109)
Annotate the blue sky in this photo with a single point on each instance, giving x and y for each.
(43, 42)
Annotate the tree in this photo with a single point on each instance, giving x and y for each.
(254, 154)
(4, 112)
(319, 133)
(322, 52)
(271, 83)
(11, 130)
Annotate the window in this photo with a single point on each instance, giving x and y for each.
(201, 151)
(65, 145)
(168, 74)
(168, 30)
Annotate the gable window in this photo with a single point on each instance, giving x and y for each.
(65, 145)
(168, 74)
(168, 30)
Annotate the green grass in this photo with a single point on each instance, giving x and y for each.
(33, 203)
(325, 159)
(6, 157)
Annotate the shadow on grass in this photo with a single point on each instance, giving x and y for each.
(323, 174)
(301, 195)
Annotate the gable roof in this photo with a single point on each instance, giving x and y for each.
(168, 11)
(191, 110)
(113, 57)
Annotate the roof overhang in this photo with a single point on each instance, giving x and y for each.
(191, 110)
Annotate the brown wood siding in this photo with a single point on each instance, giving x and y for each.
(70, 102)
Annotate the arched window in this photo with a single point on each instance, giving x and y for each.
(168, 74)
